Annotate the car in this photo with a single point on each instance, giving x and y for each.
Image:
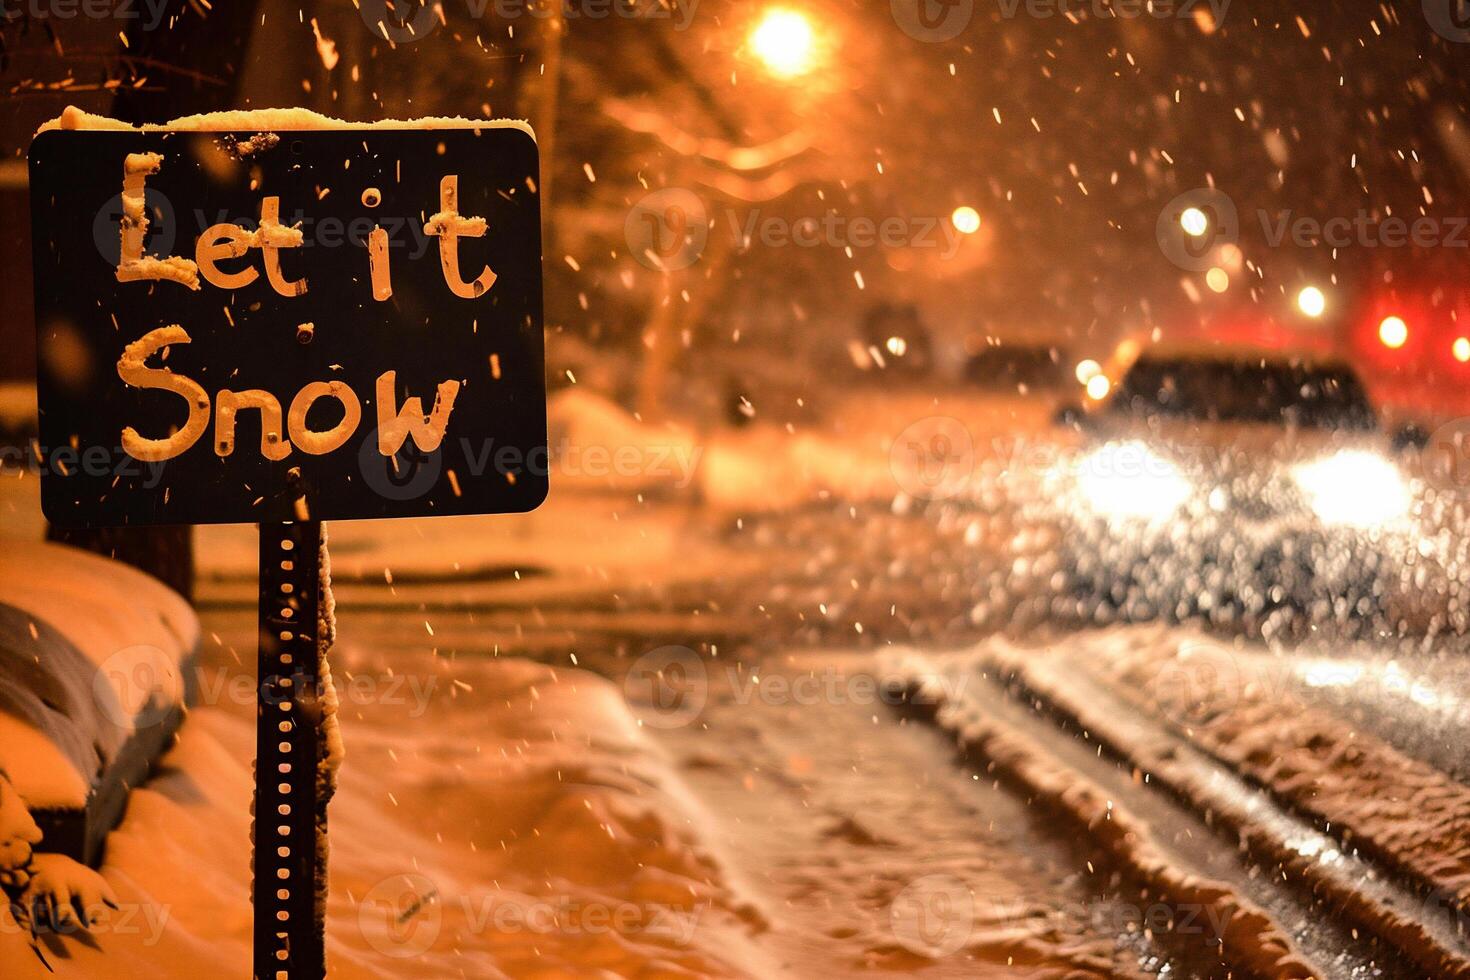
(1230, 483)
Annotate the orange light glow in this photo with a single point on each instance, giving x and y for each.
(785, 43)
(966, 220)
(1393, 332)
(1312, 301)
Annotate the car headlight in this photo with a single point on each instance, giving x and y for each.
(1354, 487)
(1127, 480)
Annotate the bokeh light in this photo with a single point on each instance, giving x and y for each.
(1311, 301)
(1393, 332)
(1194, 222)
(785, 43)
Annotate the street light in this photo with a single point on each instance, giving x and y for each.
(966, 220)
(784, 42)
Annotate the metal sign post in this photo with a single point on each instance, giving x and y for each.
(292, 786)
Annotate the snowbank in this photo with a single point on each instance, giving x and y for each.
(515, 822)
(90, 651)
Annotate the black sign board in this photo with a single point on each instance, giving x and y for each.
(310, 325)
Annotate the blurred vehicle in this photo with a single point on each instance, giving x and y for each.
(1230, 483)
(1018, 367)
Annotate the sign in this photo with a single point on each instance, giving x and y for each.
(305, 325)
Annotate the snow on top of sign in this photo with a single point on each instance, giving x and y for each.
(235, 120)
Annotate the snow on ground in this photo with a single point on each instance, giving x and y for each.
(879, 850)
(73, 686)
(498, 819)
(1243, 707)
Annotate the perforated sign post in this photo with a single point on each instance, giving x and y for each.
(284, 328)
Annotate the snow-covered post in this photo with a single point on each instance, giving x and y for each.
(297, 752)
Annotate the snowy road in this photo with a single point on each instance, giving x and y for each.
(854, 834)
(1093, 801)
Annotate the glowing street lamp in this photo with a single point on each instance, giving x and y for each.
(785, 43)
(966, 220)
